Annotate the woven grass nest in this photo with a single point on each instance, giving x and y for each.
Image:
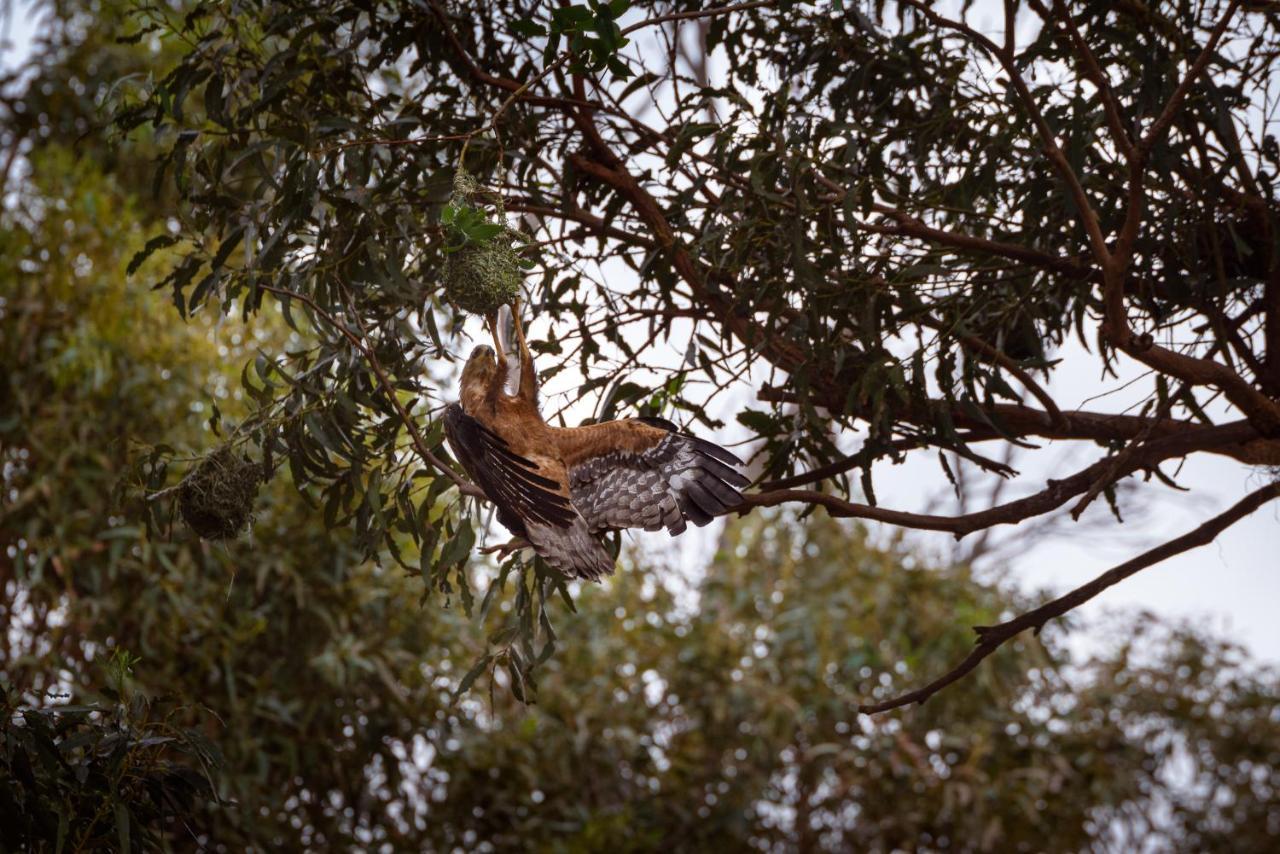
(481, 278)
(216, 499)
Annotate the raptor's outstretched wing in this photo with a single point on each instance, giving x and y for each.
(530, 494)
(645, 473)
(512, 482)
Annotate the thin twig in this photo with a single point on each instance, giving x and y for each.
(701, 13)
(908, 443)
(1088, 217)
(1171, 107)
(1028, 382)
(1094, 73)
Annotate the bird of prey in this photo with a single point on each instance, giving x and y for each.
(557, 489)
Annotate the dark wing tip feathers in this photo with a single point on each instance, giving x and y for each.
(661, 423)
(691, 511)
(509, 480)
(702, 498)
(716, 483)
(679, 479)
(726, 473)
(711, 449)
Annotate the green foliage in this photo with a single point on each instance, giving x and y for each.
(727, 724)
(821, 208)
(306, 153)
(339, 702)
(113, 774)
(593, 53)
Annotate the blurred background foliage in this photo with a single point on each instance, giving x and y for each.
(289, 691)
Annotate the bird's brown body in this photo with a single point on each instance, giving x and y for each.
(560, 487)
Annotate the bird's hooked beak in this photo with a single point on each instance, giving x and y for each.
(480, 365)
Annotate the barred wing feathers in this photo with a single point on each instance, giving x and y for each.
(644, 473)
(530, 496)
(515, 484)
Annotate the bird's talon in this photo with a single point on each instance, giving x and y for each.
(503, 550)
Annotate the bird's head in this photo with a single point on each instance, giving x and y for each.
(479, 372)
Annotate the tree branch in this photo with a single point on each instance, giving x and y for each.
(908, 443)
(1028, 382)
(1255, 405)
(991, 638)
(1088, 217)
(700, 13)
(1137, 157)
(595, 223)
(1171, 107)
(1076, 425)
(1054, 495)
(1093, 73)
(906, 225)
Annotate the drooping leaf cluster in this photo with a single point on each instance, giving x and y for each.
(112, 774)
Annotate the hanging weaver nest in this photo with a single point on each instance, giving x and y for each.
(216, 499)
(482, 277)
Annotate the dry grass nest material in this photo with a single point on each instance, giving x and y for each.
(481, 279)
(216, 499)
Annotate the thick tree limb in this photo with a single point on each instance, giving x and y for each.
(1078, 425)
(991, 638)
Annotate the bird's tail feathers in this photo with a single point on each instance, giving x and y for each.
(571, 550)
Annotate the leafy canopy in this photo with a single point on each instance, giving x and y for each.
(331, 693)
(896, 220)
